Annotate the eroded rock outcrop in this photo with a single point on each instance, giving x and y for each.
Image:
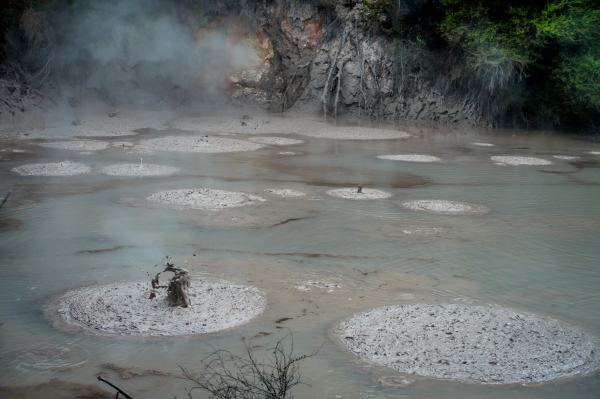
(337, 64)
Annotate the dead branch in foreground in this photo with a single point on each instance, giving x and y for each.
(226, 376)
(119, 390)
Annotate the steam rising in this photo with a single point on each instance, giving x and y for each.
(136, 53)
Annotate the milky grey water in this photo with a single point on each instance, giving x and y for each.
(537, 250)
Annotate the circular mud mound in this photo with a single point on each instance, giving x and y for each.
(442, 206)
(352, 193)
(126, 309)
(205, 198)
(509, 160)
(489, 345)
(79, 145)
(66, 168)
(196, 144)
(131, 169)
(410, 158)
(275, 140)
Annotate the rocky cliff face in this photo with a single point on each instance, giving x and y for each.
(339, 64)
(282, 57)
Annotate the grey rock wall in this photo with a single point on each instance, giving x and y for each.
(372, 81)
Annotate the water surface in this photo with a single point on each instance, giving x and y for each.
(536, 250)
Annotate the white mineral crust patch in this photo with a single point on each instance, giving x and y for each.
(275, 140)
(565, 157)
(125, 308)
(66, 168)
(286, 192)
(410, 158)
(355, 133)
(595, 152)
(443, 206)
(77, 145)
(205, 198)
(484, 144)
(131, 169)
(510, 160)
(475, 344)
(196, 144)
(352, 193)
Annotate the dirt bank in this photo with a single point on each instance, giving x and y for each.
(56, 389)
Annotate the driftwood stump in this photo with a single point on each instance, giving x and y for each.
(177, 290)
(359, 189)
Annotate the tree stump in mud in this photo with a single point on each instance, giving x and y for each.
(177, 290)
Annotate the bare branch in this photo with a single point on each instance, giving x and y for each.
(227, 376)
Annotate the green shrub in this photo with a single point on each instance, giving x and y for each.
(555, 43)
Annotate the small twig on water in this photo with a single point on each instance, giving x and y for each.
(5, 199)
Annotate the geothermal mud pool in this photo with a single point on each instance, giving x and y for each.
(317, 250)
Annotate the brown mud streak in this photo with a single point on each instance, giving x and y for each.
(287, 221)
(579, 165)
(99, 251)
(463, 150)
(131, 372)
(585, 164)
(9, 224)
(305, 254)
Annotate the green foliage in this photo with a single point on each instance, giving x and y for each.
(491, 34)
(376, 9)
(579, 78)
(556, 41)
